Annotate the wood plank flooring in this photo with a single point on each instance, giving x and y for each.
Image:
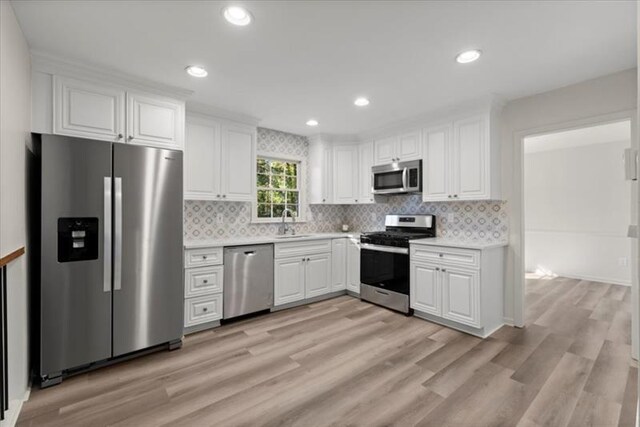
(343, 362)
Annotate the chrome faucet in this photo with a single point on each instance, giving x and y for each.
(285, 228)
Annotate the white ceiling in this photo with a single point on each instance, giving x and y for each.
(600, 134)
(310, 59)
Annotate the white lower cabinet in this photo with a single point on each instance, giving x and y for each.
(302, 270)
(338, 264)
(203, 287)
(289, 280)
(462, 288)
(353, 265)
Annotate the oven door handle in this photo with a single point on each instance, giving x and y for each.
(381, 248)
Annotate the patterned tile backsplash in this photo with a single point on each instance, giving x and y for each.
(475, 221)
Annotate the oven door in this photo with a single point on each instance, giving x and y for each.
(385, 267)
(390, 181)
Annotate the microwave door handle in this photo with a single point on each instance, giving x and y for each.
(405, 173)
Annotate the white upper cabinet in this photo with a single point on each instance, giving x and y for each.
(386, 150)
(471, 157)
(320, 172)
(409, 146)
(398, 148)
(155, 121)
(345, 174)
(436, 168)
(238, 163)
(202, 147)
(219, 161)
(461, 161)
(87, 110)
(365, 157)
(112, 113)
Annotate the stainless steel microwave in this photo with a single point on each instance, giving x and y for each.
(397, 178)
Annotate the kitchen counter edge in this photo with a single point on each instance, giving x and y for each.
(451, 243)
(245, 241)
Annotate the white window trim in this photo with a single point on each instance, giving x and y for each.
(302, 188)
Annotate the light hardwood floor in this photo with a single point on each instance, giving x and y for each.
(348, 363)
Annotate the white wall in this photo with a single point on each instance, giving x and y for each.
(613, 95)
(577, 209)
(15, 124)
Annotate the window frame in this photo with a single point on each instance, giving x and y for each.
(302, 187)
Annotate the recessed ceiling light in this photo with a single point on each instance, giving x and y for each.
(312, 122)
(196, 71)
(237, 15)
(361, 102)
(468, 56)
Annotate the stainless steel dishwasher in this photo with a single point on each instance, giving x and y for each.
(248, 279)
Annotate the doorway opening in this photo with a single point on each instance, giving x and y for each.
(578, 259)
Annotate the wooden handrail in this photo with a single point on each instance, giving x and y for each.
(13, 255)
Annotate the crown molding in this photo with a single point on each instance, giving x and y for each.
(212, 111)
(46, 62)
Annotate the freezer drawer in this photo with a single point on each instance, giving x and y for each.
(248, 279)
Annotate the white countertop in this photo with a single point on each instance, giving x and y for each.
(458, 243)
(256, 240)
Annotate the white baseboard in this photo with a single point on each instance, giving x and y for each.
(15, 406)
(594, 279)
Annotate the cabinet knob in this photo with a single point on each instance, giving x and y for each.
(224, 196)
(119, 136)
(449, 196)
(444, 270)
(218, 196)
(455, 196)
(204, 257)
(440, 255)
(205, 281)
(130, 138)
(324, 200)
(356, 200)
(437, 268)
(204, 309)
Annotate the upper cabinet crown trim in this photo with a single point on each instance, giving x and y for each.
(46, 63)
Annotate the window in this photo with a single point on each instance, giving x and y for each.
(278, 187)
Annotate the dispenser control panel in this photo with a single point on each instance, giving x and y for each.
(77, 239)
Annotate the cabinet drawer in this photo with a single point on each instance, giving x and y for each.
(202, 309)
(441, 254)
(291, 249)
(203, 281)
(202, 257)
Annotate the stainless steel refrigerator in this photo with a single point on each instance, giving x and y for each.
(106, 234)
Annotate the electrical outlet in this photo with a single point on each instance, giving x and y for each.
(220, 219)
(623, 262)
(450, 217)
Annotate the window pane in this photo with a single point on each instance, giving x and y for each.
(292, 183)
(263, 181)
(277, 182)
(291, 169)
(277, 210)
(264, 211)
(263, 166)
(277, 168)
(278, 196)
(264, 196)
(292, 197)
(294, 209)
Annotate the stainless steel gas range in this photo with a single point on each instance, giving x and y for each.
(384, 259)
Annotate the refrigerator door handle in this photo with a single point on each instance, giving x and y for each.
(106, 275)
(117, 242)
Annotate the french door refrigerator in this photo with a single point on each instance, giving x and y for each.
(106, 230)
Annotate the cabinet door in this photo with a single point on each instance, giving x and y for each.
(436, 168)
(409, 147)
(155, 121)
(238, 163)
(365, 157)
(202, 162)
(88, 110)
(471, 159)
(385, 150)
(338, 264)
(288, 280)
(425, 288)
(317, 275)
(460, 295)
(320, 158)
(345, 174)
(353, 266)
